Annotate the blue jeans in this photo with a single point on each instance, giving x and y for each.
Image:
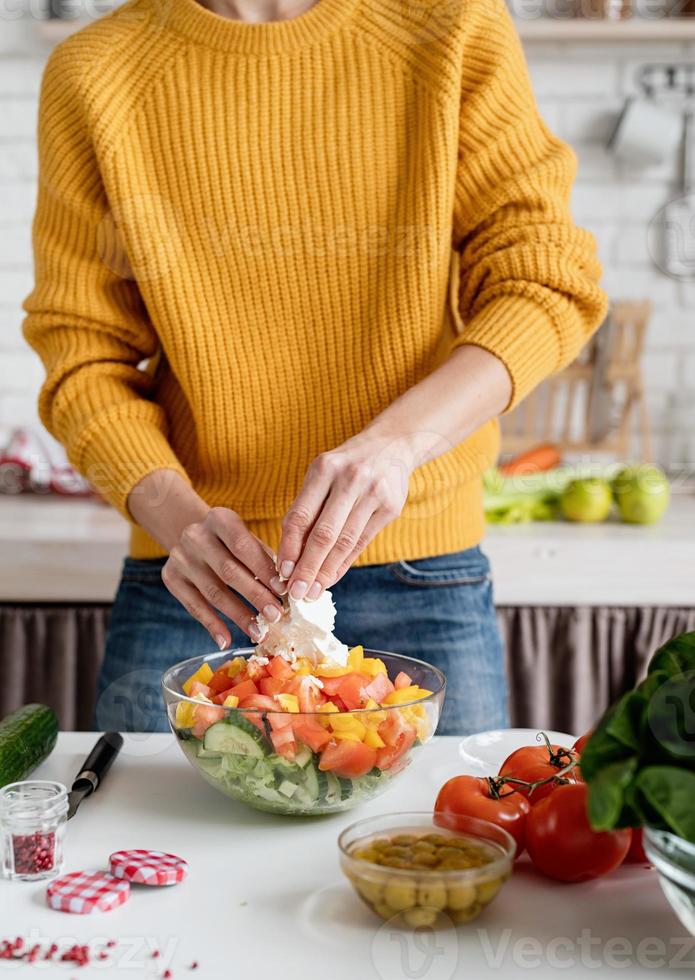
(437, 609)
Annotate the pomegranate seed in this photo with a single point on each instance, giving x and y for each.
(155, 954)
(167, 974)
(194, 965)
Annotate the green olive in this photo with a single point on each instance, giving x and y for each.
(393, 862)
(401, 895)
(372, 891)
(488, 890)
(460, 897)
(424, 860)
(431, 894)
(436, 839)
(419, 917)
(460, 916)
(404, 840)
(397, 852)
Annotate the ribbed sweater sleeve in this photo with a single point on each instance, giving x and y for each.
(86, 318)
(529, 288)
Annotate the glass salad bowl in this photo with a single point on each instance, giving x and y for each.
(301, 762)
(674, 860)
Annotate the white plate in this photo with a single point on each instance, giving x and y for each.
(483, 754)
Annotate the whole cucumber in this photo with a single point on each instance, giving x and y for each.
(27, 737)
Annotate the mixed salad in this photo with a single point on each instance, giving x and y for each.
(306, 736)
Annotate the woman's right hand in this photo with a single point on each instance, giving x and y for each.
(214, 555)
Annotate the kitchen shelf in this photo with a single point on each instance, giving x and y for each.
(636, 29)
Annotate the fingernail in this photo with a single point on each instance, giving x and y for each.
(277, 585)
(271, 613)
(255, 632)
(298, 590)
(286, 569)
(314, 592)
(221, 641)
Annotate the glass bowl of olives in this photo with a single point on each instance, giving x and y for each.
(415, 873)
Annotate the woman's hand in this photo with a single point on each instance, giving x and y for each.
(348, 496)
(215, 555)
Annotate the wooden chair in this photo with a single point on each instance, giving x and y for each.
(597, 404)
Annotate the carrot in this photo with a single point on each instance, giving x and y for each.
(536, 460)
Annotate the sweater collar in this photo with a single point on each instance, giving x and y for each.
(191, 19)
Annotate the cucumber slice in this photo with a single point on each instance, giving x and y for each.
(303, 757)
(204, 753)
(287, 788)
(237, 737)
(310, 783)
(345, 788)
(331, 794)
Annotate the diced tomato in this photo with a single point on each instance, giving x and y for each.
(284, 743)
(244, 690)
(198, 688)
(279, 667)
(402, 680)
(271, 685)
(352, 691)
(399, 737)
(331, 685)
(348, 759)
(220, 698)
(280, 719)
(206, 715)
(259, 701)
(256, 671)
(310, 697)
(308, 731)
(379, 688)
(220, 680)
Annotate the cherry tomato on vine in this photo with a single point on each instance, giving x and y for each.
(476, 796)
(534, 763)
(561, 843)
(581, 742)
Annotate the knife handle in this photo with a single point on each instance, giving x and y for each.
(99, 761)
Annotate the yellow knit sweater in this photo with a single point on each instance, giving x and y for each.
(266, 214)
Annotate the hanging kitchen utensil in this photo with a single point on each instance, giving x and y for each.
(94, 769)
(677, 219)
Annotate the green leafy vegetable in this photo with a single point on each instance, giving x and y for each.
(640, 760)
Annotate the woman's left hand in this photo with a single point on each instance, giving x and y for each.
(349, 494)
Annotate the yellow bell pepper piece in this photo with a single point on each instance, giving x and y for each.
(406, 694)
(373, 739)
(355, 658)
(332, 670)
(202, 674)
(373, 666)
(231, 701)
(303, 667)
(346, 737)
(376, 714)
(417, 716)
(236, 667)
(348, 723)
(184, 714)
(324, 712)
(289, 702)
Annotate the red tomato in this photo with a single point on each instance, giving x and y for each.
(206, 715)
(399, 737)
(637, 854)
(197, 687)
(220, 680)
(402, 680)
(331, 685)
(309, 696)
(308, 731)
(259, 701)
(283, 742)
(271, 685)
(348, 759)
(578, 746)
(472, 796)
(535, 773)
(379, 688)
(533, 763)
(561, 842)
(352, 691)
(244, 690)
(279, 667)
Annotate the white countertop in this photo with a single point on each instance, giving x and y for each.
(265, 896)
(68, 550)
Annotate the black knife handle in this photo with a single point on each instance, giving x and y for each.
(99, 761)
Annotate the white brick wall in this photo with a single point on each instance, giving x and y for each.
(580, 89)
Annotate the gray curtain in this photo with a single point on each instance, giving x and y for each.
(565, 665)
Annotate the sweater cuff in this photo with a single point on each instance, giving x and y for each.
(521, 334)
(117, 453)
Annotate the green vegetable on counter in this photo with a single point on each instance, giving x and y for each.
(27, 737)
(640, 760)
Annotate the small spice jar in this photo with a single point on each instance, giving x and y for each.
(33, 815)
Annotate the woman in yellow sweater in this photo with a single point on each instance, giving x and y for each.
(293, 257)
